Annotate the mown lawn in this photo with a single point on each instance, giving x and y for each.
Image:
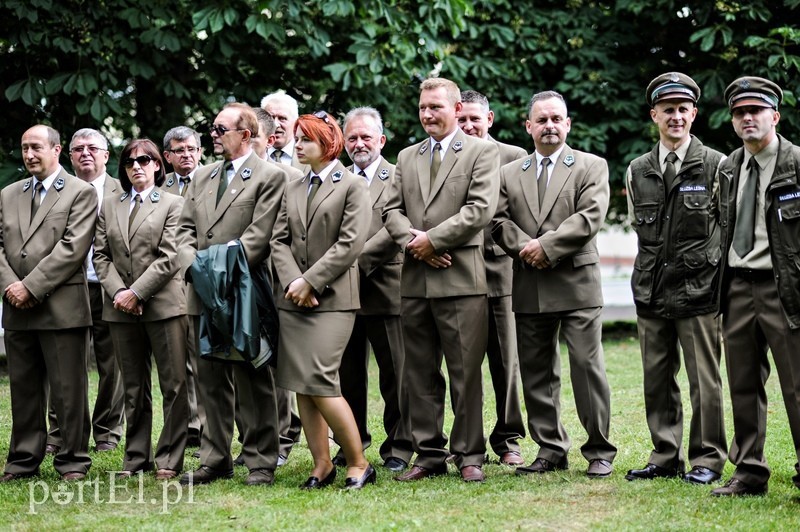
(561, 501)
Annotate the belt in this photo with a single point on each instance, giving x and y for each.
(753, 276)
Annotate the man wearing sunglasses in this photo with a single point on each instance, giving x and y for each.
(235, 199)
(47, 227)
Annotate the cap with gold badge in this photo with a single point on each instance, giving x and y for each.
(672, 86)
(755, 91)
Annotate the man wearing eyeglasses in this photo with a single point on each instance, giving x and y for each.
(182, 150)
(235, 199)
(46, 229)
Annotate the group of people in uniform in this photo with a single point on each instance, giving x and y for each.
(466, 248)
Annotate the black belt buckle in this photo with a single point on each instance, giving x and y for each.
(753, 276)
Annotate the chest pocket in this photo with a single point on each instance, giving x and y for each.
(647, 222)
(695, 215)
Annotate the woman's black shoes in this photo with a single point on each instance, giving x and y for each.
(315, 483)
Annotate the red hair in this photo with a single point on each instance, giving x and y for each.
(323, 131)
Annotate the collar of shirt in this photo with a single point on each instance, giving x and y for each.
(190, 175)
(144, 193)
(48, 180)
(369, 170)
(237, 163)
(764, 157)
(286, 152)
(553, 158)
(445, 142)
(681, 152)
(325, 171)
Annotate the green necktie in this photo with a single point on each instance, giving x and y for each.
(316, 181)
(669, 171)
(744, 233)
(37, 198)
(543, 178)
(276, 155)
(436, 162)
(137, 202)
(223, 182)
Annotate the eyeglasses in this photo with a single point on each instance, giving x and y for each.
(322, 115)
(188, 149)
(221, 130)
(142, 160)
(77, 150)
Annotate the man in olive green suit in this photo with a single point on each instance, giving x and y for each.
(378, 321)
(551, 207)
(444, 194)
(475, 119)
(237, 199)
(47, 228)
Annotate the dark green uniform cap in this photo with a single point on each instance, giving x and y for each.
(752, 90)
(672, 86)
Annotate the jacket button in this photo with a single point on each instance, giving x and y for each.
(24, 254)
(302, 237)
(209, 235)
(302, 261)
(127, 253)
(128, 273)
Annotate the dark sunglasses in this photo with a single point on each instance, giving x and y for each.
(143, 160)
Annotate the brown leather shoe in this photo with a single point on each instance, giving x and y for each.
(599, 468)
(419, 472)
(472, 473)
(511, 458)
(73, 475)
(166, 474)
(204, 475)
(541, 465)
(8, 477)
(51, 449)
(257, 477)
(103, 446)
(736, 488)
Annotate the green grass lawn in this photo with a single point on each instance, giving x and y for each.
(566, 500)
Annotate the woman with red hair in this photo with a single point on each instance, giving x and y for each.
(320, 231)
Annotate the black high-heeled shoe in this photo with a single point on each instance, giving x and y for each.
(369, 477)
(315, 483)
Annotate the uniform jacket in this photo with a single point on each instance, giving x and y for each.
(172, 184)
(323, 244)
(143, 258)
(782, 214)
(246, 212)
(676, 273)
(573, 211)
(498, 263)
(454, 214)
(48, 252)
(382, 259)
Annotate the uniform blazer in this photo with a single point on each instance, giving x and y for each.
(296, 164)
(573, 210)
(498, 264)
(454, 214)
(382, 259)
(144, 258)
(172, 184)
(291, 171)
(48, 252)
(247, 212)
(322, 244)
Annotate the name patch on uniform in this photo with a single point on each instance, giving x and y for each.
(692, 188)
(789, 196)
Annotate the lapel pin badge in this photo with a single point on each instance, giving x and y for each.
(457, 145)
(215, 172)
(170, 182)
(423, 148)
(569, 160)
(336, 176)
(155, 196)
(59, 184)
(526, 164)
(246, 173)
(124, 196)
(27, 185)
(384, 175)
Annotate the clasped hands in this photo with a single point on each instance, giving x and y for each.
(128, 302)
(19, 296)
(301, 293)
(534, 254)
(421, 248)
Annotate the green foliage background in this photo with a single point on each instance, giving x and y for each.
(137, 68)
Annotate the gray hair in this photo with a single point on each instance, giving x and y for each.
(265, 121)
(178, 134)
(365, 111)
(545, 95)
(471, 96)
(86, 133)
(281, 97)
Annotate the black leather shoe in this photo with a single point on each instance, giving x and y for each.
(701, 475)
(369, 477)
(651, 471)
(51, 448)
(193, 440)
(541, 465)
(239, 460)
(419, 472)
(204, 475)
(313, 483)
(339, 460)
(736, 488)
(260, 476)
(395, 464)
(8, 477)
